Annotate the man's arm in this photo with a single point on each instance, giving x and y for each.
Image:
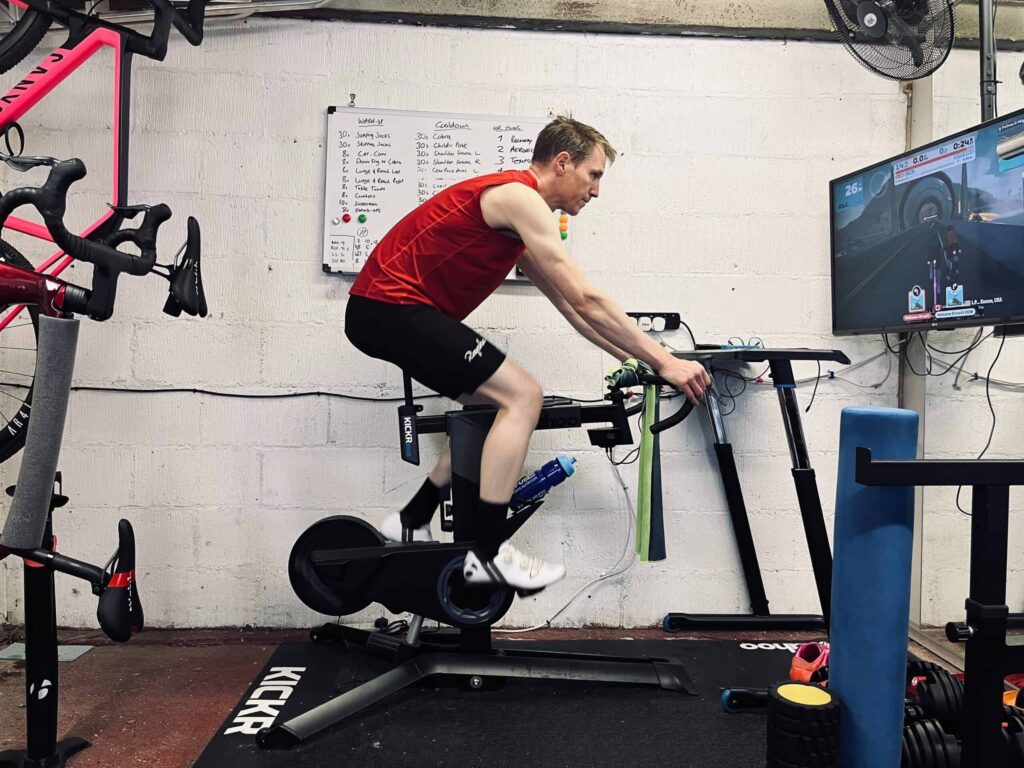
(521, 209)
(538, 279)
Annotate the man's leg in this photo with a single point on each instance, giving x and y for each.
(519, 400)
(441, 474)
(421, 508)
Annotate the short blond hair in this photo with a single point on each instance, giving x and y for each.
(563, 134)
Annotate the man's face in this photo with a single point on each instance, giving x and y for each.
(581, 181)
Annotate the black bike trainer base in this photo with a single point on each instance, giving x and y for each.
(525, 722)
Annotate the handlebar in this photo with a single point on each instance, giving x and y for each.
(186, 291)
(642, 378)
(154, 45)
(676, 418)
(51, 202)
(189, 24)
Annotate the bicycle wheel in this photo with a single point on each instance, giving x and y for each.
(27, 28)
(17, 366)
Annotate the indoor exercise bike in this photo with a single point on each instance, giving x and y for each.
(342, 564)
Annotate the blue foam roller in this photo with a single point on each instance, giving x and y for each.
(873, 544)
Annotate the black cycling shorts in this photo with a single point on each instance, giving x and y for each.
(438, 351)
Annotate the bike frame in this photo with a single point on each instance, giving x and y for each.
(42, 290)
(31, 89)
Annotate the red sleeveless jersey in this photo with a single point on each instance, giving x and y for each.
(443, 254)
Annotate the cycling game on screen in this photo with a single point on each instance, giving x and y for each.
(933, 238)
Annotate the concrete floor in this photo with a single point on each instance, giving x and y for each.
(157, 700)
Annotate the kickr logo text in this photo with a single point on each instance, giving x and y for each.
(265, 702)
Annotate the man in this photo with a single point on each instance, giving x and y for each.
(437, 265)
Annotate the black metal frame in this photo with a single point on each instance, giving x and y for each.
(42, 747)
(781, 370)
(988, 658)
(469, 653)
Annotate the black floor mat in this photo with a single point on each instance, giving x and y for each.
(525, 724)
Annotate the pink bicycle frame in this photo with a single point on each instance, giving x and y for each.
(31, 89)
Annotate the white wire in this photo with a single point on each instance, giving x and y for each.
(629, 548)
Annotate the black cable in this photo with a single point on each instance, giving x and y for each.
(693, 339)
(629, 458)
(929, 359)
(969, 348)
(729, 394)
(929, 368)
(988, 396)
(283, 396)
(885, 340)
(992, 410)
(243, 395)
(952, 365)
(815, 390)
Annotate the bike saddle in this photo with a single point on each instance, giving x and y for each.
(186, 280)
(120, 610)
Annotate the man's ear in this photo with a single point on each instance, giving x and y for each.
(562, 160)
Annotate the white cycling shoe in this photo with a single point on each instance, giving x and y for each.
(526, 573)
(391, 529)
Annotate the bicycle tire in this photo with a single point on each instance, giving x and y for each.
(17, 370)
(22, 38)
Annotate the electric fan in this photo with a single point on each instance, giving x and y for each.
(898, 39)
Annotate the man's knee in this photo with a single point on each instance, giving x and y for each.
(515, 390)
(531, 398)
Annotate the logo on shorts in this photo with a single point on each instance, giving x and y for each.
(476, 351)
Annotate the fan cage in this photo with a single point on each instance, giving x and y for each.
(918, 37)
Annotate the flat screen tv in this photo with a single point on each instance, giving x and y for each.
(933, 238)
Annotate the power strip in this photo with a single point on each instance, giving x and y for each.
(656, 321)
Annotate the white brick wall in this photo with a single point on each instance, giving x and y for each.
(717, 209)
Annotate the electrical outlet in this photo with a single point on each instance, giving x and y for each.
(656, 321)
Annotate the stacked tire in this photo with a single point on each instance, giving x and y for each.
(803, 726)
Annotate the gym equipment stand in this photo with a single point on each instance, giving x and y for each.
(988, 657)
(781, 372)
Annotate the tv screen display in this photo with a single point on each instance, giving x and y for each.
(932, 238)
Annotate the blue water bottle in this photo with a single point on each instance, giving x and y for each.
(534, 487)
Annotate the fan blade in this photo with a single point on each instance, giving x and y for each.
(850, 9)
(904, 34)
(929, 21)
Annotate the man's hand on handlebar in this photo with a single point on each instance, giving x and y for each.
(688, 376)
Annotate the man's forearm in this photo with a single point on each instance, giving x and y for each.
(591, 335)
(607, 319)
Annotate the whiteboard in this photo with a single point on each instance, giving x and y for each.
(382, 163)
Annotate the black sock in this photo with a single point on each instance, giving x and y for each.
(490, 527)
(420, 509)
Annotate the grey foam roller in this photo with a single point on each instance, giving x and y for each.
(55, 364)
